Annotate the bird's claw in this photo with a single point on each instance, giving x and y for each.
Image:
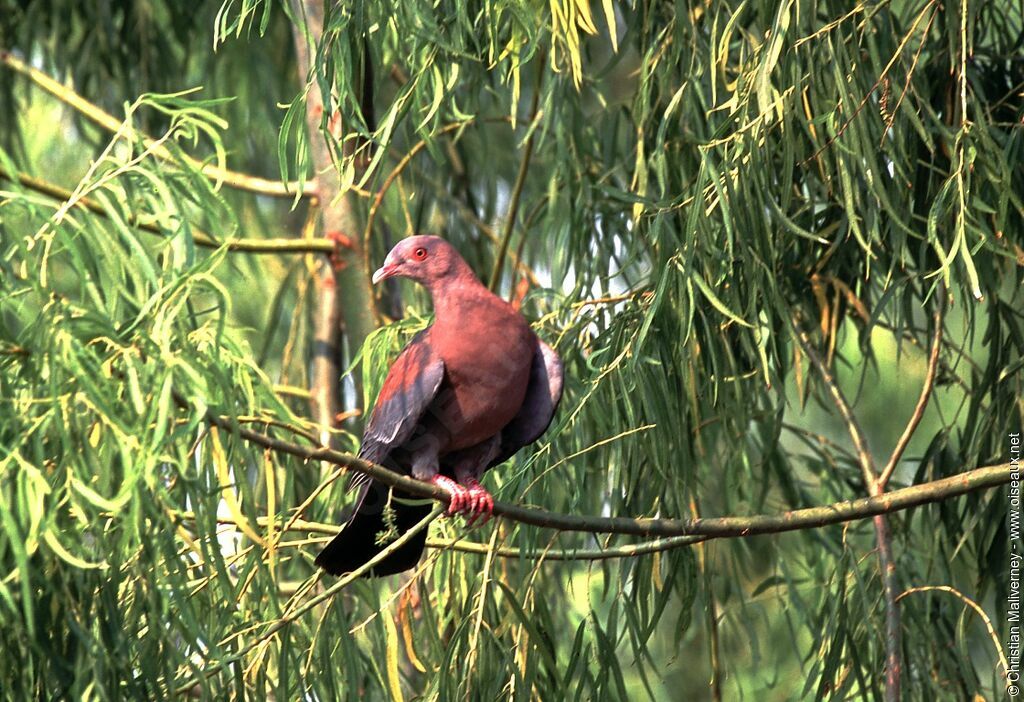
(459, 495)
(481, 504)
(471, 500)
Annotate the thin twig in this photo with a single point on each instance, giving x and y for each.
(876, 490)
(977, 609)
(93, 113)
(860, 443)
(292, 391)
(882, 76)
(290, 616)
(268, 246)
(922, 401)
(718, 527)
(517, 188)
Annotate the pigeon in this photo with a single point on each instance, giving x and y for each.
(465, 395)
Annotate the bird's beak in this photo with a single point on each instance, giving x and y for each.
(385, 271)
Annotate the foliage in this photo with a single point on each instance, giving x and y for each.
(673, 192)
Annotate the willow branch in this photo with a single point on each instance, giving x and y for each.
(292, 391)
(904, 41)
(968, 602)
(94, 114)
(885, 559)
(293, 614)
(860, 442)
(261, 246)
(890, 590)
(701, 530)
(517, 188)
(566, 554)
(717, 527)
(876, 489)
(922, 401)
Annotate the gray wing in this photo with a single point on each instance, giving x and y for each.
(411, 385)
(542, 397)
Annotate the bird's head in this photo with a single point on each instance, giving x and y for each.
(425, 259)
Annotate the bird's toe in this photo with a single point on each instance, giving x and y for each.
(481, 503)
(488, 508)
(458, 494)
(458, 503)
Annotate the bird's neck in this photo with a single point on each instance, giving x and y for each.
(454, 298)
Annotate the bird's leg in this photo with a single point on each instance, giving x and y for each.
(425, 468)
(459, 495)
(470, 466)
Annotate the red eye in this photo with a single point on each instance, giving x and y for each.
(420, 253)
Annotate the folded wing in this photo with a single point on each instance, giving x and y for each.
(542, 397)
(410, 387)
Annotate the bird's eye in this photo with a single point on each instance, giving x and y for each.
(420, 253)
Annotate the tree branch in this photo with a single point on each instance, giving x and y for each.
(517, 188)
(890, 589)
(296, 612)
(713, 528)
(922, 401)
(876, 489)
(261, 246)
(885, 559)
(567, 554)
(93, 113)
(860, 442)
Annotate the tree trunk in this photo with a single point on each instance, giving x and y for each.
(343, 316)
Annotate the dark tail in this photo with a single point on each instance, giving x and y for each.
(358, 541)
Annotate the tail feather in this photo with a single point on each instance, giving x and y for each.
(358, 541)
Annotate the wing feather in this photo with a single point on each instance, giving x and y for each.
(411, 385)
(543, 394)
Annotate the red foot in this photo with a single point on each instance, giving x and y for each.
(481, 504)
(472, 500)
(460, 495)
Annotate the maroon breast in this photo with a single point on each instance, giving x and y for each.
(487, 370)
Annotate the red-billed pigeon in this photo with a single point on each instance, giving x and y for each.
(467, 393)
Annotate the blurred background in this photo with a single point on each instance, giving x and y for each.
(722, 215)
